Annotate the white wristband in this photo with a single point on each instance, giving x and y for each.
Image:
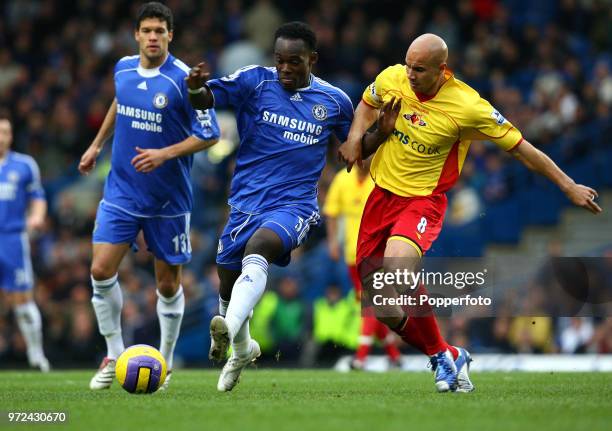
(196, 91)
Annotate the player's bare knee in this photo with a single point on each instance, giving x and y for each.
(19, 298)
(102, 271)
(167, 287)
(265, 243)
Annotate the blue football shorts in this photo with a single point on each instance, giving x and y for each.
(291, 223)
(15, 265)
(166, 237)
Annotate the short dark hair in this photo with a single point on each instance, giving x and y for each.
(297, 30)
(155, 10)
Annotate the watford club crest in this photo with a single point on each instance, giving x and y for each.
(415, 118)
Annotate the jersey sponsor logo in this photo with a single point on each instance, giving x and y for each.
(414, 145)
(139, 114)
(160, 100)
(8, 191)
(300, 131)
(152, 120)
(142, 85)
(319, 112)
(415, 118)
(296, 98)
(499, 118)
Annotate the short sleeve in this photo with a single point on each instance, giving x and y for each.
(373, 94)
(484, 122)
(333, 201)
(34, 187)
(345, 118)
(203, 121)
(233, 90)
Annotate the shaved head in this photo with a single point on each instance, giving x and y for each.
(426, 62)
(430, 46)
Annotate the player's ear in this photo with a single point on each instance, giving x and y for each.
(313, 57)
(170, 34)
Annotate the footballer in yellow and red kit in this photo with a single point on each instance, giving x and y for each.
(423, 157)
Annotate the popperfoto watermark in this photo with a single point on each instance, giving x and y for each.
(488, 287)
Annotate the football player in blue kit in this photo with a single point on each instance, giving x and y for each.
(156, 131)
(22, 208)
(285, 118)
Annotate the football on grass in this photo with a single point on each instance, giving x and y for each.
(141, 369)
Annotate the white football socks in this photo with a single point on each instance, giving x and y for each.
(246, 293)
(30, 325)
(107, 301)
(170, 313)
(242, 339)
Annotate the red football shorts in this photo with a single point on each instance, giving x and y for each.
(417, 220)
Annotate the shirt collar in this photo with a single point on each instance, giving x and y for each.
(150, 73)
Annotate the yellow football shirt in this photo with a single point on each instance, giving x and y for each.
(426, 151)
(346, 198)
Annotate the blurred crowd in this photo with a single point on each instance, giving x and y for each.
(546, 65)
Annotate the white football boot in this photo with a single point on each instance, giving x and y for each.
(41, 363)
(104, 376)
(230, 375)
(464, 384)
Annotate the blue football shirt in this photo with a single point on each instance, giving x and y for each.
(283, 136)
(19, 184)
(153, 111)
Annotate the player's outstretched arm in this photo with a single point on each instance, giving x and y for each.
(539, 162)
(151, 158)
(200, 95)
(350, 152)
(88, 160)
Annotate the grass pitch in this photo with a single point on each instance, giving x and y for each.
(276, 399)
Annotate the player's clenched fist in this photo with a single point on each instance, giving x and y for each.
(198, 75)
(88, 160)
(350, 153)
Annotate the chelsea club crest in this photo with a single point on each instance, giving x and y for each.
(319, 112)
(160, 100)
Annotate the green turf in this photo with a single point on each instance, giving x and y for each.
(319, 400)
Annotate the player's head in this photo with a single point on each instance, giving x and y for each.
(295, 47)
(154, 25)
(426, 62)
(6, 135)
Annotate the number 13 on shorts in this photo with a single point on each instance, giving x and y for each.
(181, 244)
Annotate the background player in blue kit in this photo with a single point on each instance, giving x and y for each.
(22, 208)
(148, 187)
(285, 118)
